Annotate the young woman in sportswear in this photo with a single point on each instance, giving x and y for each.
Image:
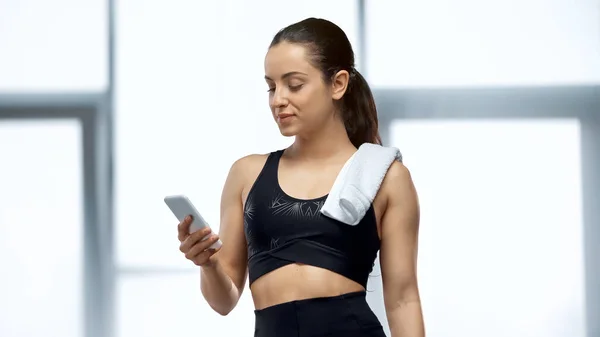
(308, 273)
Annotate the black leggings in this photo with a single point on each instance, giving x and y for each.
(347, 315)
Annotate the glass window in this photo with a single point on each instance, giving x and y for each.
(171, 305)
(41, 229)
(53, 46)
(434, 43)
(501, 246)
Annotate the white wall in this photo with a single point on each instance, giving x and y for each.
(53, 46)
(433, 43)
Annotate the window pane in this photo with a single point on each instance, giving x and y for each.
(501, 250)
(53, 46)
(479, 43)
(40, 229)
(172, 305)
(191, 99)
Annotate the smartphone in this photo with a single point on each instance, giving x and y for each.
(181, 207)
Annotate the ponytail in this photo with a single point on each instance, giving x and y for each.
(360, 112)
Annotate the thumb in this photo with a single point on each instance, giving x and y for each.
(184, 228)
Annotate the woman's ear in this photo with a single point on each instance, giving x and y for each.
(339, 84)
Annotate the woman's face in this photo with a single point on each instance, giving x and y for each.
(299, 99)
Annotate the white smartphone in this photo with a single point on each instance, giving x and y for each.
(181, 207)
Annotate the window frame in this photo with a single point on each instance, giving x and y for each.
(90, 110)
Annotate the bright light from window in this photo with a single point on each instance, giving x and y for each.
(433, 43)
(41, 229)
(53, 46)
(172, 305)
(501, 247)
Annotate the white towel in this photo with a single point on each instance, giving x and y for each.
(358, 182)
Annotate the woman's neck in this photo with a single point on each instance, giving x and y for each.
(326, 143)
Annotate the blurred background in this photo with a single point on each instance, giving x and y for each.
(106, 106)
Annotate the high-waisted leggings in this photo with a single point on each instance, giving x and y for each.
(347, 315)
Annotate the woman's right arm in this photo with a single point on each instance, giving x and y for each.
(224, 276)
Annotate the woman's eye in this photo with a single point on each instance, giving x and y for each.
(292, 88)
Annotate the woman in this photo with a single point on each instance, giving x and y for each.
(307, 272)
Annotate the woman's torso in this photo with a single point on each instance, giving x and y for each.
(298, 281)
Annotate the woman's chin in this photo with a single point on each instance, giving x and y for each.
(287, 131)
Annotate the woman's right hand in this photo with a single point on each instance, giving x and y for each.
(192, 245)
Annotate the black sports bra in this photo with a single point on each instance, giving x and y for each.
(282, 230)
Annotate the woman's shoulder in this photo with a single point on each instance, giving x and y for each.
(254, 159)
(397, 173)
(248, 168)
(251, 160)
(397, 181)
(250, 165)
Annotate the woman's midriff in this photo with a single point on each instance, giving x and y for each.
(298, 282)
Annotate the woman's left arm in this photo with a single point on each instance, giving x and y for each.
(398, 256)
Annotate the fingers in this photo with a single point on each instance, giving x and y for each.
(201, 246)
(196, 246)
(183, 228)
(200, 255)
(203, 259)
(200, 252)
(193, 239)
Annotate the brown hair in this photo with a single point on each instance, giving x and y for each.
(331, 52)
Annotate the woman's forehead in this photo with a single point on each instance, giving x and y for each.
(284, 58)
